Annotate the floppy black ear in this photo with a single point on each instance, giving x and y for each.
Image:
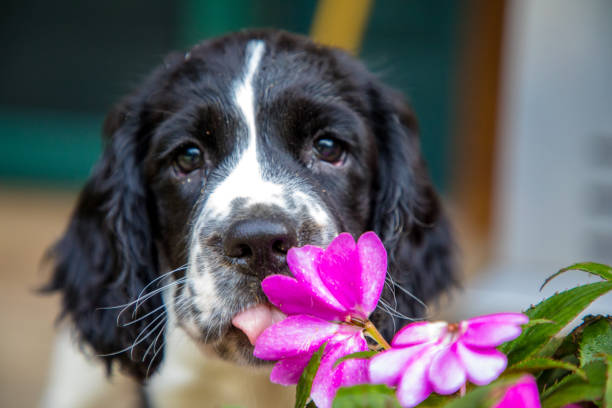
(107, 255)
(407, 213)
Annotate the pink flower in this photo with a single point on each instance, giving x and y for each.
(329, 300)
(440, 357)
(522, 394)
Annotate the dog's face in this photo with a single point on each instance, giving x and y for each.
(224, 159)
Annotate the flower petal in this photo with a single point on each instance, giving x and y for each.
(493, 330)
(419, 332)
(373, 260)
(522, 394)
(304, 264)
(481, 365)
(414, 386)
(354, 371)
(446, 373)
(350, 372)
(289, 370)
(295, 335)
(502, 318)
(293, 297)
(389, 366)
(340, 271)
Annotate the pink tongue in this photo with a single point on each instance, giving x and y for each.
(256, 319)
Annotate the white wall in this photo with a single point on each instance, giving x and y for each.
(554, 180)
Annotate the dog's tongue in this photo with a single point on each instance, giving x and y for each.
(256, 319)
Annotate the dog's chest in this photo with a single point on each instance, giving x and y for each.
(190, 378)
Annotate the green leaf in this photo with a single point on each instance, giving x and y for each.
(596, 340)
(574, 389)
(567, 347)
(359, 355)
(366, 396)
(562, 308)
(543, 363)
(601, 270)
(302, 392)
(535, 322)
(554, 346)
(566, 350)
(608, 391)
(436, 401)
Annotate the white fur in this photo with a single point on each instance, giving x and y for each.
(204, 286)
(315, 209)
(187, 378)
(191, 378)
(246, 179)
(79, 380)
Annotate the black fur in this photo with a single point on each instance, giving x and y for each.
(407, 214)
(134, 216)
(107, 255)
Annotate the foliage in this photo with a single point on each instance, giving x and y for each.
(571, 368)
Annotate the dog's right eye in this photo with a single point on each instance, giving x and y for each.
(189, 159)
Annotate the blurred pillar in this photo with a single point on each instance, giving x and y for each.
(476, 105)
(341, 23)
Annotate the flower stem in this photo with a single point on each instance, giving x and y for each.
(371, 330)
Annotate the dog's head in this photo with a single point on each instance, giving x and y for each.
(225, 158)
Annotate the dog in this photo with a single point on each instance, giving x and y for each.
(227, 156)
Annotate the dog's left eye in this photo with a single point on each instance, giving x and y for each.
(189, 159)
(329, 149)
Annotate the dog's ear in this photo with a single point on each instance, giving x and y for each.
(107, 255)
(407, 213)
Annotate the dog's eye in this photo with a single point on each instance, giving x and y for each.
(329, 149)
(188, 159)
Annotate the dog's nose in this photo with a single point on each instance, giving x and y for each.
(260, 245)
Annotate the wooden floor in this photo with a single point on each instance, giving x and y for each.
(29, 222)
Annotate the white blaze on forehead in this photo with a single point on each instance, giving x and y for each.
(246, 179)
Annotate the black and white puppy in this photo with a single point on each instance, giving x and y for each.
(226, 157)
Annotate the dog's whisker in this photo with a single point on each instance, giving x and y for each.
(159, 325)
(156, 310)
(146, 297)
(137, 341)
(395, 312)
(141, 300)
(182, 304)
(390, 283)
(155, 356)
(128, 304)
(393, 317)
(388, 311)
(180, 268)
(152, 345)
(407, 292)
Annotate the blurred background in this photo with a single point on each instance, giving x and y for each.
(514, 100)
